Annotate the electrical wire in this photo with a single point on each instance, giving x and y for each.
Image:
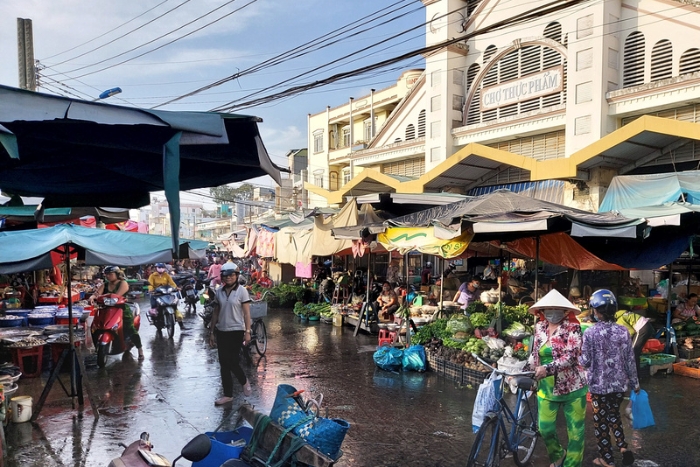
(85, 84)
(160, 37)
(532, 14)
(112, 30)
(296, 52)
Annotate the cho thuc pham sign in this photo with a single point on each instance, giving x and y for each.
(546, 82)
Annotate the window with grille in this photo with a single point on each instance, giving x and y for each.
(346, 175)
(690, 61)
(517, 64)
(538, 147)
(421, 124)
(346, 137)
(662, 60)
(333, 139)
(367, 130)
(318, 178)
(410, 132)
(553, 31)
(318, 141)
(406, 168)
(633, 67)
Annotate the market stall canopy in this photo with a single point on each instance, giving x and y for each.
(368, 223)
(27, 250)
(504, 212)
(32, 214)
(72, 152)
(641, 191)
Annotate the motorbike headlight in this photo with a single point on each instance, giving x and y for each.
(110, 301)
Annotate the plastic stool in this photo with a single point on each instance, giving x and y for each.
(35, 354)
(386, 336)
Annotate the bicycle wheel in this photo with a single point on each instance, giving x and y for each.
(526, 433)
(484, 451)
(260, 338)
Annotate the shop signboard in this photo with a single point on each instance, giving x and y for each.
(540, 84)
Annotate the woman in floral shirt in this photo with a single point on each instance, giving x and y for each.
(556, 349)
(609, 357)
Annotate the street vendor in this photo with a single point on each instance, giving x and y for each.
(115, 284)
(387, 302)
(640, 330)
(687, 310)
(426, 274)
(467, 293)
(264, 280)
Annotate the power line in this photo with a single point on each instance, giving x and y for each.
(110, 31)
(529, 15)
(295, 52)
(160, 37)
(84, 84)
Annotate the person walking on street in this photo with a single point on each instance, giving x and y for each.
(640, 330)
(230, 329)
(561, 379)
(157, 279)
(608, 356)
(115, 284)
(215, 273)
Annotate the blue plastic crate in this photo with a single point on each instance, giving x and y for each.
(221, 449)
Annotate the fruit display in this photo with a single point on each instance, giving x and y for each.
(693, 364)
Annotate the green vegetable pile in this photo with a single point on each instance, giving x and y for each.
(475, 345)
(285, 295)
(480, 320)
(313, 309)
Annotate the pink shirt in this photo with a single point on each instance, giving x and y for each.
(214, 271)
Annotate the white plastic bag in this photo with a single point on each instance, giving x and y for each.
(485, 400)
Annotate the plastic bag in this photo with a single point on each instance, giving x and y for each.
(388, 358)
(641, 410)
(485, 400)
(414, 358)
(494, 342)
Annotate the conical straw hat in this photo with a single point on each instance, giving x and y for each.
(554, 300)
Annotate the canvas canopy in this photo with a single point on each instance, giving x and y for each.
(640, 191)
(27, 250)
(75, 153)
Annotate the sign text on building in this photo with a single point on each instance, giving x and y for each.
(549, 81)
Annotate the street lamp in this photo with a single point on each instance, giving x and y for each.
(108, 93)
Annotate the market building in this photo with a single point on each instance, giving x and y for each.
(558, 104)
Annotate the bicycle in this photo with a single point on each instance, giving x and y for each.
(520, 440)
(258, 332)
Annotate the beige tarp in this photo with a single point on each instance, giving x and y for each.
(324, 243)
(293, 245)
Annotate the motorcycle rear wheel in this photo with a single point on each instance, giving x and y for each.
(170, 325)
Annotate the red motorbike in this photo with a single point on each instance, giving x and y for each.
(108, 326)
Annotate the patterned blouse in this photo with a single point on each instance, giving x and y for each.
(607, 354)
(569, 375)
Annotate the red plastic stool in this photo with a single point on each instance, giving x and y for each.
(35, 354)
(386, 336)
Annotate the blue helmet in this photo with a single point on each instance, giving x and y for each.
(160, 265)
(604, 302)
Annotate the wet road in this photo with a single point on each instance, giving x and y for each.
(398, 419)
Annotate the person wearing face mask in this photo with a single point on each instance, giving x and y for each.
(608, 356)
(387, 302)
(158, 278)
(562, 385)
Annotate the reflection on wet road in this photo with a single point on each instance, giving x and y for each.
(397, 419)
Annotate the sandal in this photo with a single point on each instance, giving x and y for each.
(627, 457)
(561, 461)
(601, 462)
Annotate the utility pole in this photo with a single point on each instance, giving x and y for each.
(25, 55)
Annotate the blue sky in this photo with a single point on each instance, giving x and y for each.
(257, 32)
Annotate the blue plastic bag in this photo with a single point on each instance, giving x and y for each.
(388, 358)
(641, 411)
(486, 400)
(414, 358)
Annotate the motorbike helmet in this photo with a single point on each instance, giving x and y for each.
(228, 269)
(428, 264)
(160, 265)
(604, 302)
(109, 269)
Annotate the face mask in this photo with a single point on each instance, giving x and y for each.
(160, 269)
(554, 316)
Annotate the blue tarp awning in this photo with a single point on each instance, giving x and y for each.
(26, 250)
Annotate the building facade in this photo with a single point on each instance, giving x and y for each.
(559, 103)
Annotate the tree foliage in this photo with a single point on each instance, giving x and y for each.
(227, 193)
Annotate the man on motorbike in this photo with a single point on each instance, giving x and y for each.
(115, 284)
(158, 278)
(230, 329)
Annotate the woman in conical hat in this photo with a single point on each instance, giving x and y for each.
(562, 382)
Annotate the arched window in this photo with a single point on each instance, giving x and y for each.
(472, 71)
(333, 181)
(633, 68)
(553, 31)
(489, 52)
(690, 61)
(397, 140)
(410, 132)
(662, 60)
(491, 75)
(421, 124)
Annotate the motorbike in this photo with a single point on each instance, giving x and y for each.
(189, 293)
(108, 326)
(163, 315)
(208, 304)
(140, 453)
